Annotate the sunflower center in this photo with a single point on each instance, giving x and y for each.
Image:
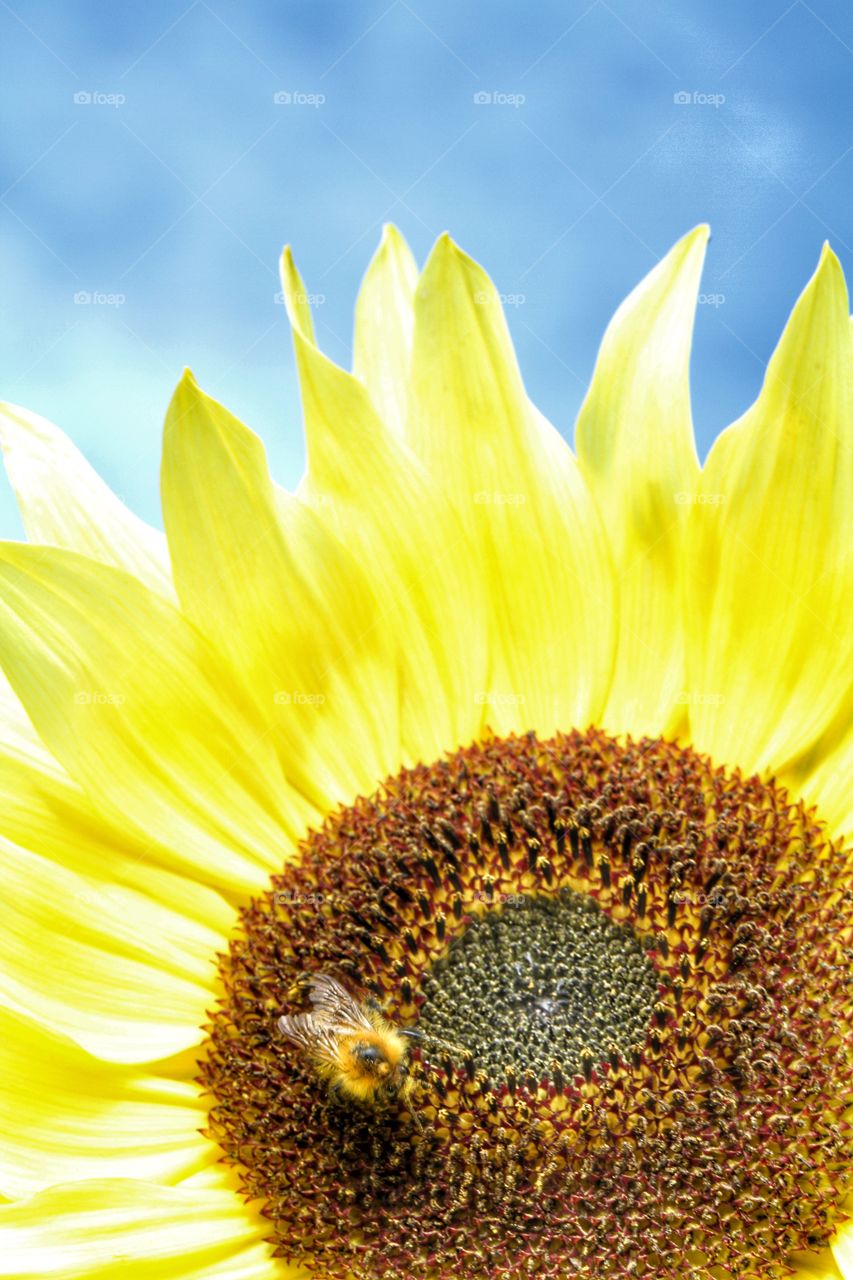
(576, 1006)
(541, 986)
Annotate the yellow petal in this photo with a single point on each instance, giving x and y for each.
(132, 703)
(635, 446)
(815, 1266)
(97, 1230)
(124, 977)
(540, 552)
(284, 601)
(842, 1249)
(384, 324)
(215, 1177)
(64, 502)
(376, 497)
(67, 1115)
(823, 776)
(43, 810)
(769, 634)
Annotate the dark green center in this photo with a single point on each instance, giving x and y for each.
(542, 981)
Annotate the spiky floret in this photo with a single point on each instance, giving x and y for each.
(714, 1144)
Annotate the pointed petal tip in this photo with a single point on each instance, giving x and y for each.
(691, 247)
(394, 248)
(289, 273)
(808, 372)
(697, 239)
(391, 233)
(446, 248)
(295, 297)
(447, 256)
(186, 391)
(829, 262)
(291, 281)
(827, 287)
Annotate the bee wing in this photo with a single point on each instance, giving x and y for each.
(334, 1004)
(311, 1034)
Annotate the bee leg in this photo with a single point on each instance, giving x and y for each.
(336, 1096)
(412, 1111)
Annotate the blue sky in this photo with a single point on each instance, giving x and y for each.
(147, 164)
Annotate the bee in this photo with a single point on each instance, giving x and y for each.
(353, 1047)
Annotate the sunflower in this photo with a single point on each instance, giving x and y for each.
(542, 759)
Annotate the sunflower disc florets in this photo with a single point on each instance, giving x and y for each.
(640, 961)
